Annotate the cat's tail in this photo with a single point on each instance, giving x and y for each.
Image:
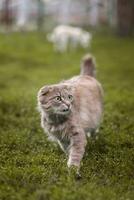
(88, 65)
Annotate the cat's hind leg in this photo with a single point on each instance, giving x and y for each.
(93, 133)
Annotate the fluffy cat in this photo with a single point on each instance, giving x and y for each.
(72, 109)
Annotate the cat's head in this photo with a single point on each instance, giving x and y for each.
(55, 100)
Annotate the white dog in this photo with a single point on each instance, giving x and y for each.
(63, 36)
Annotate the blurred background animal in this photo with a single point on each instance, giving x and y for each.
(64, 36)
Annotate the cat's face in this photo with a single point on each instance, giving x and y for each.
(56, 100)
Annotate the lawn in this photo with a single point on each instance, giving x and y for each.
(32, 168)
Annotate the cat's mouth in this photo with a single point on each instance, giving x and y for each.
(63, 112)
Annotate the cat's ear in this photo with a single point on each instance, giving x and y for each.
(45, 90)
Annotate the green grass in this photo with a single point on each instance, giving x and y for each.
(31, 168)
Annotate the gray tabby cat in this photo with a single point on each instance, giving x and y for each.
(72, 109)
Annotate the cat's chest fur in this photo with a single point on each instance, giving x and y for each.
(58, 131)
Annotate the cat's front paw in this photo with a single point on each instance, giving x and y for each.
(74, 172)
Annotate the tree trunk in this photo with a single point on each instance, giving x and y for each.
(125, 17)
(6, 13)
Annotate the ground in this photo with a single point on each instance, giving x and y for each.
(31, 168)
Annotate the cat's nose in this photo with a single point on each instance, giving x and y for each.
(66, 108)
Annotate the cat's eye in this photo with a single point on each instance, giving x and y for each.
(43, 94)
(70, 97)
(58, 98)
